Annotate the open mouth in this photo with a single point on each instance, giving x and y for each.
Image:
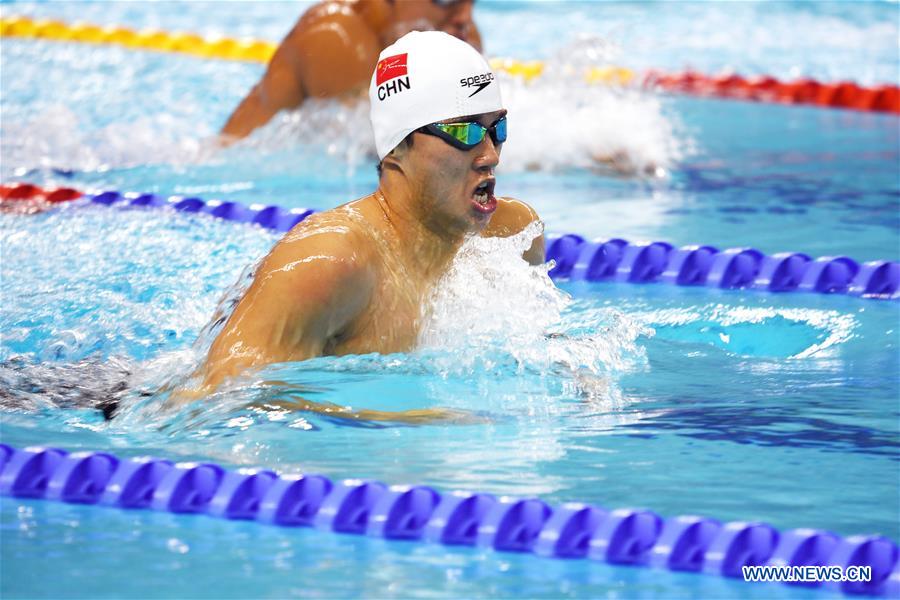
(483, 197)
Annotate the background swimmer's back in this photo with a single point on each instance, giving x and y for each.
(328, 53)
(333, 48)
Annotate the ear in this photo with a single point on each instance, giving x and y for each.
(395, 158)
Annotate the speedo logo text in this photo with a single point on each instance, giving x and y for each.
(482, 81)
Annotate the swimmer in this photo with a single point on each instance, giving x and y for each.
(332, 49)
(354, 279)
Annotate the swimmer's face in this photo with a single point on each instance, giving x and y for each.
(450, 17)
(456, 186)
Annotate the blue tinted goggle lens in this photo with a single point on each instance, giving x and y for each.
(500, 131)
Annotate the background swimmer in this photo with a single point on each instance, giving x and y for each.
(353, 280)
(331, 50)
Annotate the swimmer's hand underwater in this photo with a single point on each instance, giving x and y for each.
(292, 400)
(422, 416)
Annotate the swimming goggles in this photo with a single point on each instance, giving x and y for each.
(466, 136)
(446, 3)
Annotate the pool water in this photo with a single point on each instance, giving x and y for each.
(729, 404)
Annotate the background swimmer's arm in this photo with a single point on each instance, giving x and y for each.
(306, 291)
(511, 217)
(322, 57)
(279, 88)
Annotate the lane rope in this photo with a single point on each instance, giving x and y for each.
(419, 513)
(576, 258)
(845, 94)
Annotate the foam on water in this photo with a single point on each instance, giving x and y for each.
(491, 320)
(492, 307)
(90, 285)
(55, 138)
(337, 130)
(97, 108)
(492, 315)
(557, 121)
(560, 121)
(793, 333)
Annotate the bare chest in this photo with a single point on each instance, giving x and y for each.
(390, 323)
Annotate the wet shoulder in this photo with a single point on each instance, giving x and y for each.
(511, 217)
(333, 26)
(335, 237)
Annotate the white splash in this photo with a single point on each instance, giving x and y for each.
(493, 310)
(559, 120)
(58, 138)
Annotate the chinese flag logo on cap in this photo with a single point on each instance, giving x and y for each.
(389, 68)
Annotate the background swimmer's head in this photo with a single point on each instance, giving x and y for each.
(450, 16)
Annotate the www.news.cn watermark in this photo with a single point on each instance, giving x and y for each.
(787, 574)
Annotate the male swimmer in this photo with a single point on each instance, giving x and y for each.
(332, 49)
(354, 279)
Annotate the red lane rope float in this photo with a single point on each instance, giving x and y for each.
(28, 191)
(28, 198)
(846, 94)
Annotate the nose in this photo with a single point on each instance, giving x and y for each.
(488, 155)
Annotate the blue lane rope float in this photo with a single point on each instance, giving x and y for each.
(735, 268)
(635, 537)
(266, 216)
(579, 259)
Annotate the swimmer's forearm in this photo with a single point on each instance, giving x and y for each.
(412, 417)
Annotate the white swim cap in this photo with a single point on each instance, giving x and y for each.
(425, 77)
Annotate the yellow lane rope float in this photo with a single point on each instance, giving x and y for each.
(224, 48)
(160, 41)
(842, 94)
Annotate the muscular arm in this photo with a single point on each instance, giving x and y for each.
(511, 217)
(305, 292)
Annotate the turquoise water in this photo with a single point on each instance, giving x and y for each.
(734, 405)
